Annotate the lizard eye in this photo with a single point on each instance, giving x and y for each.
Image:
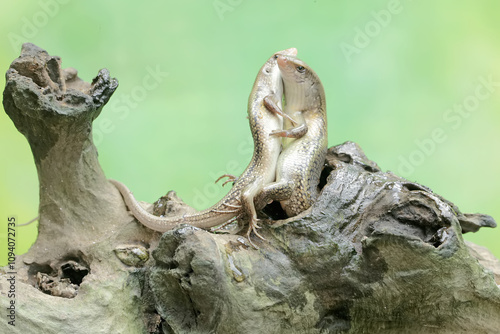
(301, 69)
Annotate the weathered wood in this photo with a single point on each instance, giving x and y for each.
(375, 254)
(82, 217)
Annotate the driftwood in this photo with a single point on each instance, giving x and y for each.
(375, 254)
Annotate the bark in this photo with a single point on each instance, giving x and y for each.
(375, 254)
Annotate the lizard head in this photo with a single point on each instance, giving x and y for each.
(271, 62)
(301, 84)
(293, 69)
(269, 81)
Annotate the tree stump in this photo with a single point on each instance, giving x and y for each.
(375, 254)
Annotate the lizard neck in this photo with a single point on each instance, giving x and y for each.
(300, 96)
(295, 95)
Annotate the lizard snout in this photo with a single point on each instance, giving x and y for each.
(282, 62)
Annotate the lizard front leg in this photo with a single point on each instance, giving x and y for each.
(296, 131)
(273, 107)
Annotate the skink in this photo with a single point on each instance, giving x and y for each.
(260, 171)
(301, 162)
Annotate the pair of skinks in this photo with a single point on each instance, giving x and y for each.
(285, 170)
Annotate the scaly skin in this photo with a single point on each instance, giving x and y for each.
(301, 162)
(260, 171)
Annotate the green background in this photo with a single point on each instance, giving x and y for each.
(391, 79)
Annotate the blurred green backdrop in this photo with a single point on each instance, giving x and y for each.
(416, 84)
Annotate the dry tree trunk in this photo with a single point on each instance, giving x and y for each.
(375, 254)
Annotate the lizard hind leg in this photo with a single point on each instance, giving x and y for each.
(253, 228)
(248, 210)
(276, 191)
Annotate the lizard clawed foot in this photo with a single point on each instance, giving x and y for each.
(230, 178)
(252, 227)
